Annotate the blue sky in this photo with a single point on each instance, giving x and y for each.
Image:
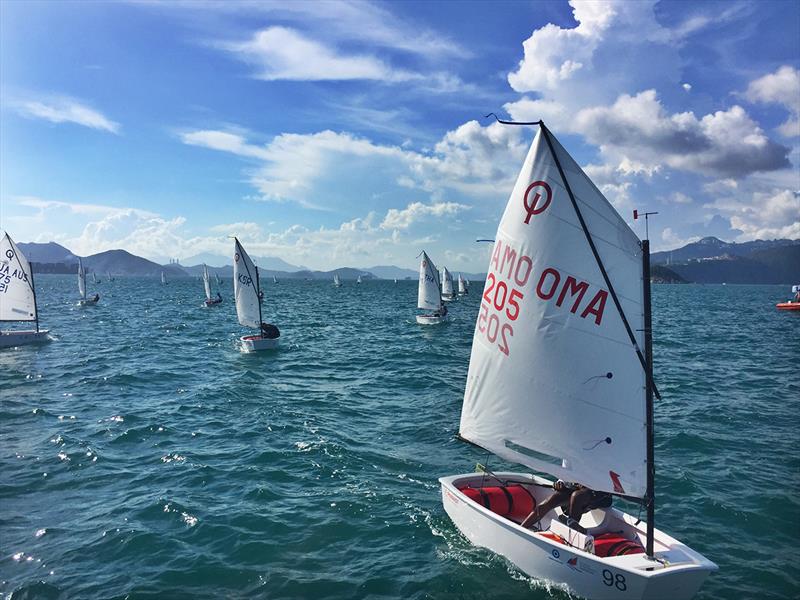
(352, 133)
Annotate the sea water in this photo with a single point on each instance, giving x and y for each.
(143, 456)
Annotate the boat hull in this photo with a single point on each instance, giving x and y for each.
(582, 573)
(256, 343)
(431, 319)
(448, 297)
(788, 306)
(212, 302)
(88, 302)
(11, 339)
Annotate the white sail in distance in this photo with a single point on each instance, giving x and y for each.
(462, 286)
(555, 382)
(447, 283)
(245, 288)
(17, 298)
(428, 295)
(163, 277)
(206, 282)
(81, 279)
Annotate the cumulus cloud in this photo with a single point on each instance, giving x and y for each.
(781, 87)
(62, 109)
(403, 218)
(768, 214)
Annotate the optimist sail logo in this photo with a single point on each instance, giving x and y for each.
(532, 197)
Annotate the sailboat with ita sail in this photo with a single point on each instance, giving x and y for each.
(447, 286)
(84, 300)
(429, 295)
(462, 286)
(210, 300)
(560, 381)
(17, 297)
(248, 294)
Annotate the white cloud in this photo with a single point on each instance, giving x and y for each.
(225, 142)
(781, 87)
(767, 214)
(687, 87)
(403, 218)
(283, 53)
(672, 240)
(61, 109)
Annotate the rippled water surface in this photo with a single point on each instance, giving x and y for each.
(142, 455)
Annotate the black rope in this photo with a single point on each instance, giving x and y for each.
(499, 120)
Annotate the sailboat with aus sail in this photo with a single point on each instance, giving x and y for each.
(560, 381)
(18, 297)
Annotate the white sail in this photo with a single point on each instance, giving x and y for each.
(462, 286)
(554, 380)
(94, 278)
(163, 277)
(336, 280)
(428, 295)
(81, 279)
(245, 288)
(17, 298)
(206, 282)
(274, 279)
(447, 283)
(359, 279)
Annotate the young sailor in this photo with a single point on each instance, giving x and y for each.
(574, 499)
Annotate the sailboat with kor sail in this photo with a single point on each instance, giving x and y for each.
(84, 301)
(17, 297)
(248, 294)
(429, 294)
(560, 380)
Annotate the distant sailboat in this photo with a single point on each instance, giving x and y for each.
(163, 278)
(395, 280)
(84, 301)
(248, 303)
(337, 280)
(429, 295)
(210, 300)
(447, 286)
(359, 279)
(17, 297)
(94, 278)
(216, 278)
(108, 274)
(274, 279)
(560, 381)
(462, 286)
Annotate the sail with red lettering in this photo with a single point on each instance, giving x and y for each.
(428, 294)
(556, 378)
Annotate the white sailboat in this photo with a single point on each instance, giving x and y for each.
(274, 279)
(163, 278)
(216, 278)
(85, 300)
(337, 281)
(17, 297)
(108, 274)
(462, 286)
(429, 295)
(210, 300)
(560, 381)
(359, 279)
(447, 286)
(94, 278)
(248, 296)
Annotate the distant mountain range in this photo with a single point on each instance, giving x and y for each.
(709, 260)
(55, 258)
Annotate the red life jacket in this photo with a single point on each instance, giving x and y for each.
(613, 544)
(512, 501)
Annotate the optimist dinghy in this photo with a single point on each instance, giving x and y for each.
(84, 301)
(447, 286)
(337, 280)
(210, 300)
(560, 381)
(359, 279)
(17, 297)
(248, 303)
(462, 286)
(163, 278)
(429, 296)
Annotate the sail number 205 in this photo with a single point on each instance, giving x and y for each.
(500, 303)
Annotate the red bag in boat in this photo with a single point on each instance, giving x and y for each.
(613, 544)
(507, 501)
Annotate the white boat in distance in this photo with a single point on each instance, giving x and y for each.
(163, 278)
(246, 290)
(447, 286)
(18, 297)
(337, 280)
(359, 279)
(210, 300)
(462, 286)
(84, 301)
(560, 380)
(429, 295)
